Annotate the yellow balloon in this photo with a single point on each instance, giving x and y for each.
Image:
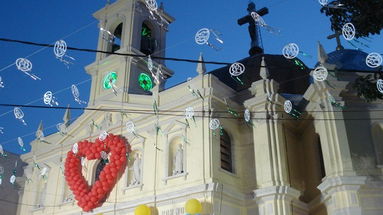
(193, 206)
(142, 210)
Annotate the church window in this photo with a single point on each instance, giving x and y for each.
(226, 152)
(117, 38)
(148, 43)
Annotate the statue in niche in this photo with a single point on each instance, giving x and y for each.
(178, 164)
(136, 176)
(107, 122)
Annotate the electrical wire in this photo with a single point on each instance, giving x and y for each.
(164, 112)
(40, 50)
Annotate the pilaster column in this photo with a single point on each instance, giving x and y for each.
(276, 200)
(274, 194)
(332, 132)
(341, 196)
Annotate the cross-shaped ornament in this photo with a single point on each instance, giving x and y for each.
(255, 39)
(337, 36)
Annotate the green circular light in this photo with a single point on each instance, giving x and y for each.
(145, 82)
(109, 80)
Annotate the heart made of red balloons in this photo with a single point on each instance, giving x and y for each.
(90, 197)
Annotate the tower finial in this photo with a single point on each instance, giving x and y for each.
(67, 117)
(201, 68)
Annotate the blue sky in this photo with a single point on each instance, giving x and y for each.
(46, 21)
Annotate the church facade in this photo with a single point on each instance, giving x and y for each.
(326, 159)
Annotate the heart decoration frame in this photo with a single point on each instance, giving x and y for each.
(90, 197)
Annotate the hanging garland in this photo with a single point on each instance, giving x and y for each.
(90, 197)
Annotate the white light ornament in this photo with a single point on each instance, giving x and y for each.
(214, 125)
(49, 99)
(104, 155)
(131, 128)
(379, 85)
(247, 116)
(12, 179)
(259, 21)
(103, 135)
(19, 115)
(288, 107)
(25, 66)
(348, 31)
(1, 130)
(153, 10)
(202, 37)
(43, 172)
(76, 94)
(21, 144)
(150, 64)
(290, 51)
(320, 73)
(1, 83)
(62, 128)
(2, 153)
(189, 114)
(59, 50)
(1, 174)
(194, 92)
(237, 69)
(107, 35)
(374, 60)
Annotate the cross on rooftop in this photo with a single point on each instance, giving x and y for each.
(337, 36)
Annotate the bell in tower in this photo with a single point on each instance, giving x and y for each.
(129, 27)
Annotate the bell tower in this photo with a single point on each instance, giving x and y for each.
(128, 27)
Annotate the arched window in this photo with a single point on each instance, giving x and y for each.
(226, 152)
(377, 138)
(117, 38)
(148, 43)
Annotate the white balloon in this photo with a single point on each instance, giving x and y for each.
(75, 148)
(103, 135)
